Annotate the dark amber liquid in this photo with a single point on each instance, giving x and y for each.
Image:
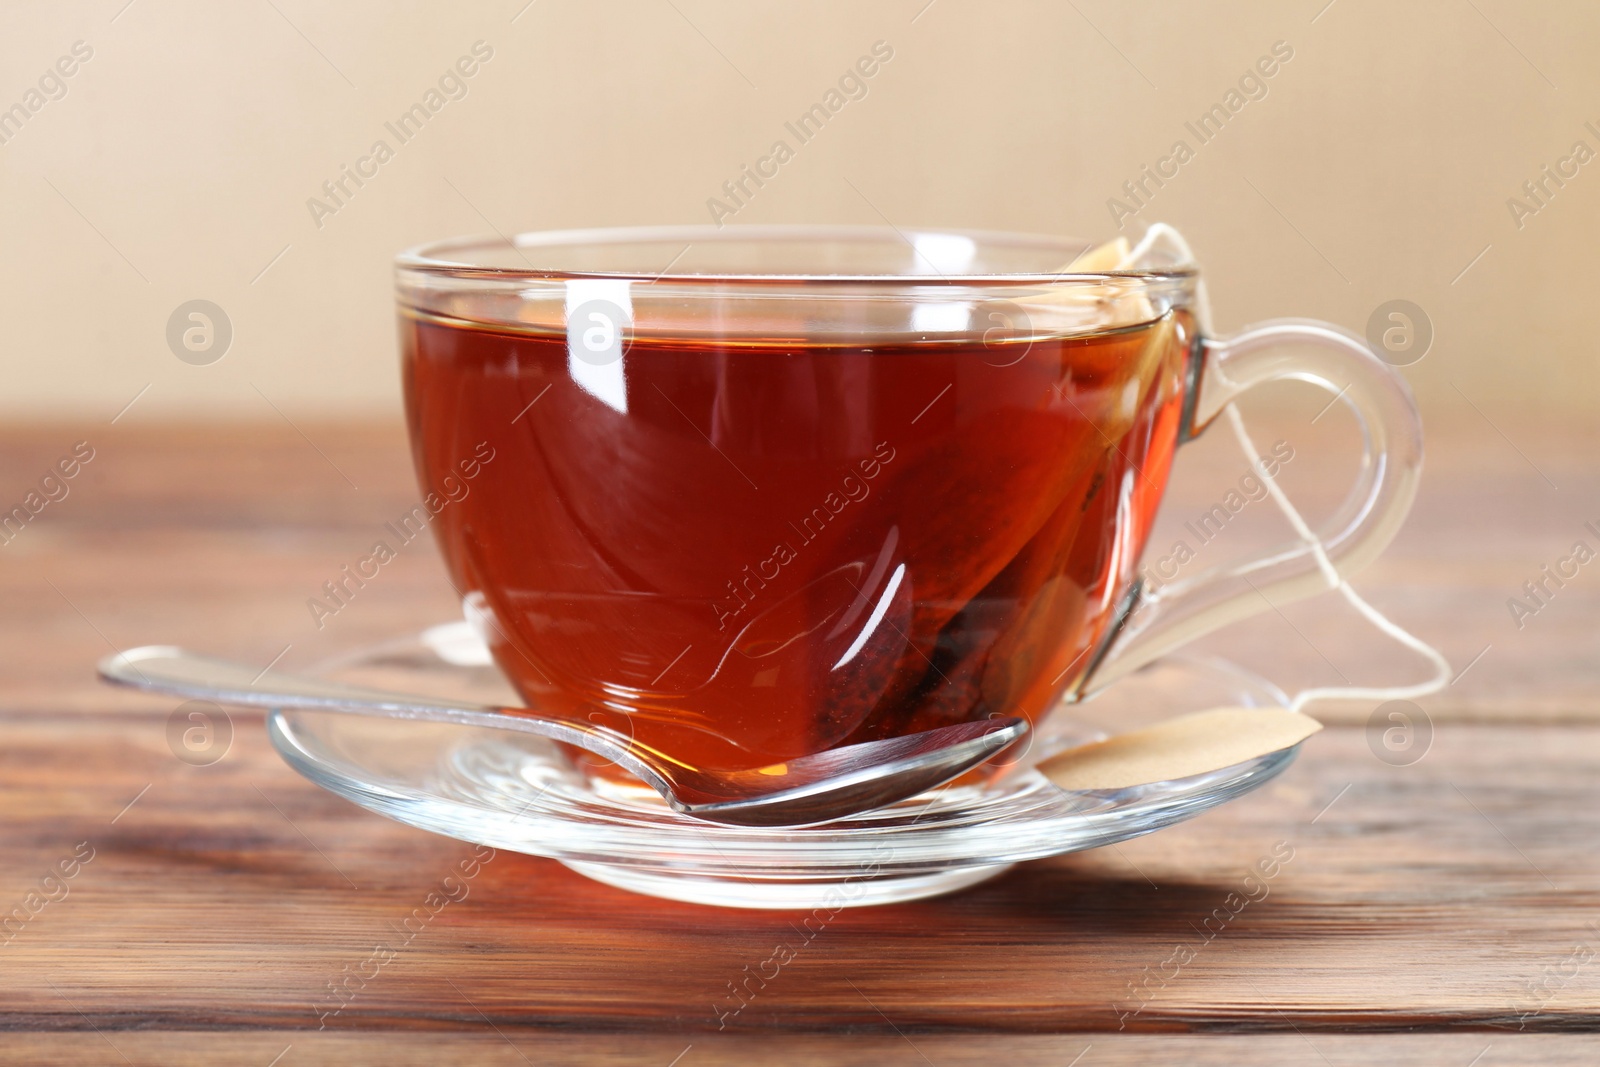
(780, 546)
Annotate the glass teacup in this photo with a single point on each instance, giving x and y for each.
(751, 493)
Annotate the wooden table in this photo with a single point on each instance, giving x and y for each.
(1432, 913)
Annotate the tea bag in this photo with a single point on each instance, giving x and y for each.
(1109, 256)
(1109, 303)
(1113, 303)
(1221, 737)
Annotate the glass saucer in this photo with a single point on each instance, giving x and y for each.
(512, 791)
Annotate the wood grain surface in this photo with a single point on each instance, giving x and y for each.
(1430, 913)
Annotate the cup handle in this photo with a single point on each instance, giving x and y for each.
(1282, 350)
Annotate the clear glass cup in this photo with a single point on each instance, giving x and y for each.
(749, 493)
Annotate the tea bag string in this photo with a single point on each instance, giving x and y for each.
(1441, 666)
(1160, 231)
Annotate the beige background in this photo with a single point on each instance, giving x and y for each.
(180, 161)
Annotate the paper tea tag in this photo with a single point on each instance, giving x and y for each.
(1179, 748)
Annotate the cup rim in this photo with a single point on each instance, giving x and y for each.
(434, 258)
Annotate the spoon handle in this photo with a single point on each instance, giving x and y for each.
(178, 672)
